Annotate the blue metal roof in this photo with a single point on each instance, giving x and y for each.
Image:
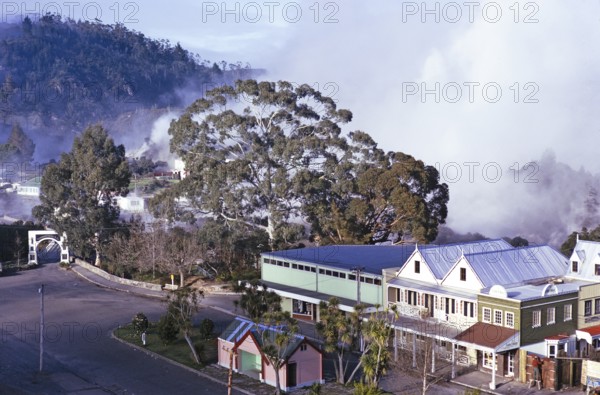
(517, 265)
(441, 258)
(240, 326)
(373, 258)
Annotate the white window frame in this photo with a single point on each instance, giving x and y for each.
(551, 315)
(568, 312)
(512, 319)
(486, 360)
(536, 318)
(489, 311)
(498, 313)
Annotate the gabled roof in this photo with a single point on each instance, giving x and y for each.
(586, 251)
(517, 265)
(236, 329)
(373, 258)
(241, 328)
(441, 258)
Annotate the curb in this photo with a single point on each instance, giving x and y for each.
(115, 288)
(487, 391)
(158, 356)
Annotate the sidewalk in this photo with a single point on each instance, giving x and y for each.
(102, 282)
(480, 381)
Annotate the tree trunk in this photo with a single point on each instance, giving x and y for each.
(340, 369)
(98, 261)
(271, 232)
(277, 382)
(188, 339)
(181, 278)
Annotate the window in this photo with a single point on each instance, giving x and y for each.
(498, 317)
(411, 298)
(463, 274)
(487, 314)
(551, 315)
(321, 271)
(294, 266)
(303, 347)
(369, 280)
(536, 319)
(487, 360)
(568, 312)
(509, 321)
(350, 276)
(468, 308)
(574, 266)
(377, 281)
(267, 260)
(596, 306)
(597, 270)
(587, 308)
(286, 264)
(417, 266)
(552, 351)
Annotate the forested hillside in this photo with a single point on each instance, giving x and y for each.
(63, 75)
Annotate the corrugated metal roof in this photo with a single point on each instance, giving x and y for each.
(517, 265)
(373, 258)
(441, 258)
(238, 328)
(527, 292)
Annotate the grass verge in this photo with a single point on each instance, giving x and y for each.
(178, 350)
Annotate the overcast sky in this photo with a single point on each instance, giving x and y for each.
(515, 78)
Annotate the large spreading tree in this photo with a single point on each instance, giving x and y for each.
(268, 155)
(78, 192)
(243, 146)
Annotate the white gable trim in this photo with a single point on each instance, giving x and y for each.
(465, 261)
(407, 270)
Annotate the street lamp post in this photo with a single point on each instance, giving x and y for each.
(41, 292)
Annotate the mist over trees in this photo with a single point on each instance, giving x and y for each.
(58, 76)
(269, 154)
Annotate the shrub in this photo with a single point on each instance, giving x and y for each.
(366, 389)
(206, 328)
(64, 265)
(315, 389)
(140, 323)
(167, 329)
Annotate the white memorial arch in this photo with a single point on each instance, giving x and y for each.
(38, 236)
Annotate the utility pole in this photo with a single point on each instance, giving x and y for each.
(230, 375)
(41, 292)
(358, 270)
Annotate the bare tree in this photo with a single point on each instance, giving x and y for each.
(182, 251)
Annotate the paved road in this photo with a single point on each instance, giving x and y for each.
(80, 355)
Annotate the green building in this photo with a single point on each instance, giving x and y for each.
(304, 277)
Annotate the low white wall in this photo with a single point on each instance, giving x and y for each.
(110, 277)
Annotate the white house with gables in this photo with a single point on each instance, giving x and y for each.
(436, 282)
